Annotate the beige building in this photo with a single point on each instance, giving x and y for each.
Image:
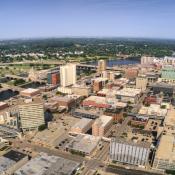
(141, 82)
(82, 126)
(68, 75)
(165, 154)
(31, 114)
(81, 90)
(101, 65)
(101, 125)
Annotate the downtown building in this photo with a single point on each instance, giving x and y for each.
(31, 114)
(134, 153)
(68, 75)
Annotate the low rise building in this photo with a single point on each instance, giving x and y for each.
(130, 152)
(64, 101)
(11, 161)
(128, 95)
(101, 125)
(81, 90)
(165, 154)
(30, 92)
(48, 165)
(3, 105)
(82, 126)
(83, 143)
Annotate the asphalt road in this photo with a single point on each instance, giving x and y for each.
(124, 171)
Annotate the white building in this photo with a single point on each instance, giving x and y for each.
(129, 152)
(31, 114)
(68, 75)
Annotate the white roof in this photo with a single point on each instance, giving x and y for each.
(130, 92)
(103, 120)
(30, 90)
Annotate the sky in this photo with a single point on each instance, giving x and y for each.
(87, 18)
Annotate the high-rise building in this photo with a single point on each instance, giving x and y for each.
(53, 78)
(68, 75)
(101, 65)
(31, 114)
(129, 152)
(141, 82)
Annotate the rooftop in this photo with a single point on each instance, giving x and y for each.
(48, 165)
(82, 123)
(84, 143)
(168, 152)
(130, 142)
(29, 90)
(130, 92)
(103, 120)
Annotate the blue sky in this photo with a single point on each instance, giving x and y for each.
(102, 18)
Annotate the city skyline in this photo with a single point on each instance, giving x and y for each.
(90, 18)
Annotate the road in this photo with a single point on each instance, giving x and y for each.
(124, 171)
(91, 164)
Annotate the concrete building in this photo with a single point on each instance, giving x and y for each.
(31, 114)
(129, 152)
(101, 66)
(48, 165)
(68, 75)
(168, 74)
(3, 105)
(11, 161)
(165, 154)
(102, 125)
(81, 90)
(146, 60)
(64, 101)
(82, 126)
(141, 82)
(30, 92)
(128, 95)
(83, 143)
(131, 73)
(53, 77)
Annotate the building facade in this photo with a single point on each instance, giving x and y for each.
(101, 66)
(68, 75)
(31, 114)
(129, 152)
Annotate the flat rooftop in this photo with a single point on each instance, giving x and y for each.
(103, 120)
(48, 165)
(29, 90)
(170, 118)
(14, 155)
(84, 143)
(82, 123)
(129, 92)
(130, 142)
(166, 148)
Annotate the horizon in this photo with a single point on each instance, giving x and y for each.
(152, 19)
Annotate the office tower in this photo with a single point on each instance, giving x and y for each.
(141, 82)
(53, 77)
(101, 65)
(68, 75)
(31, 114)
